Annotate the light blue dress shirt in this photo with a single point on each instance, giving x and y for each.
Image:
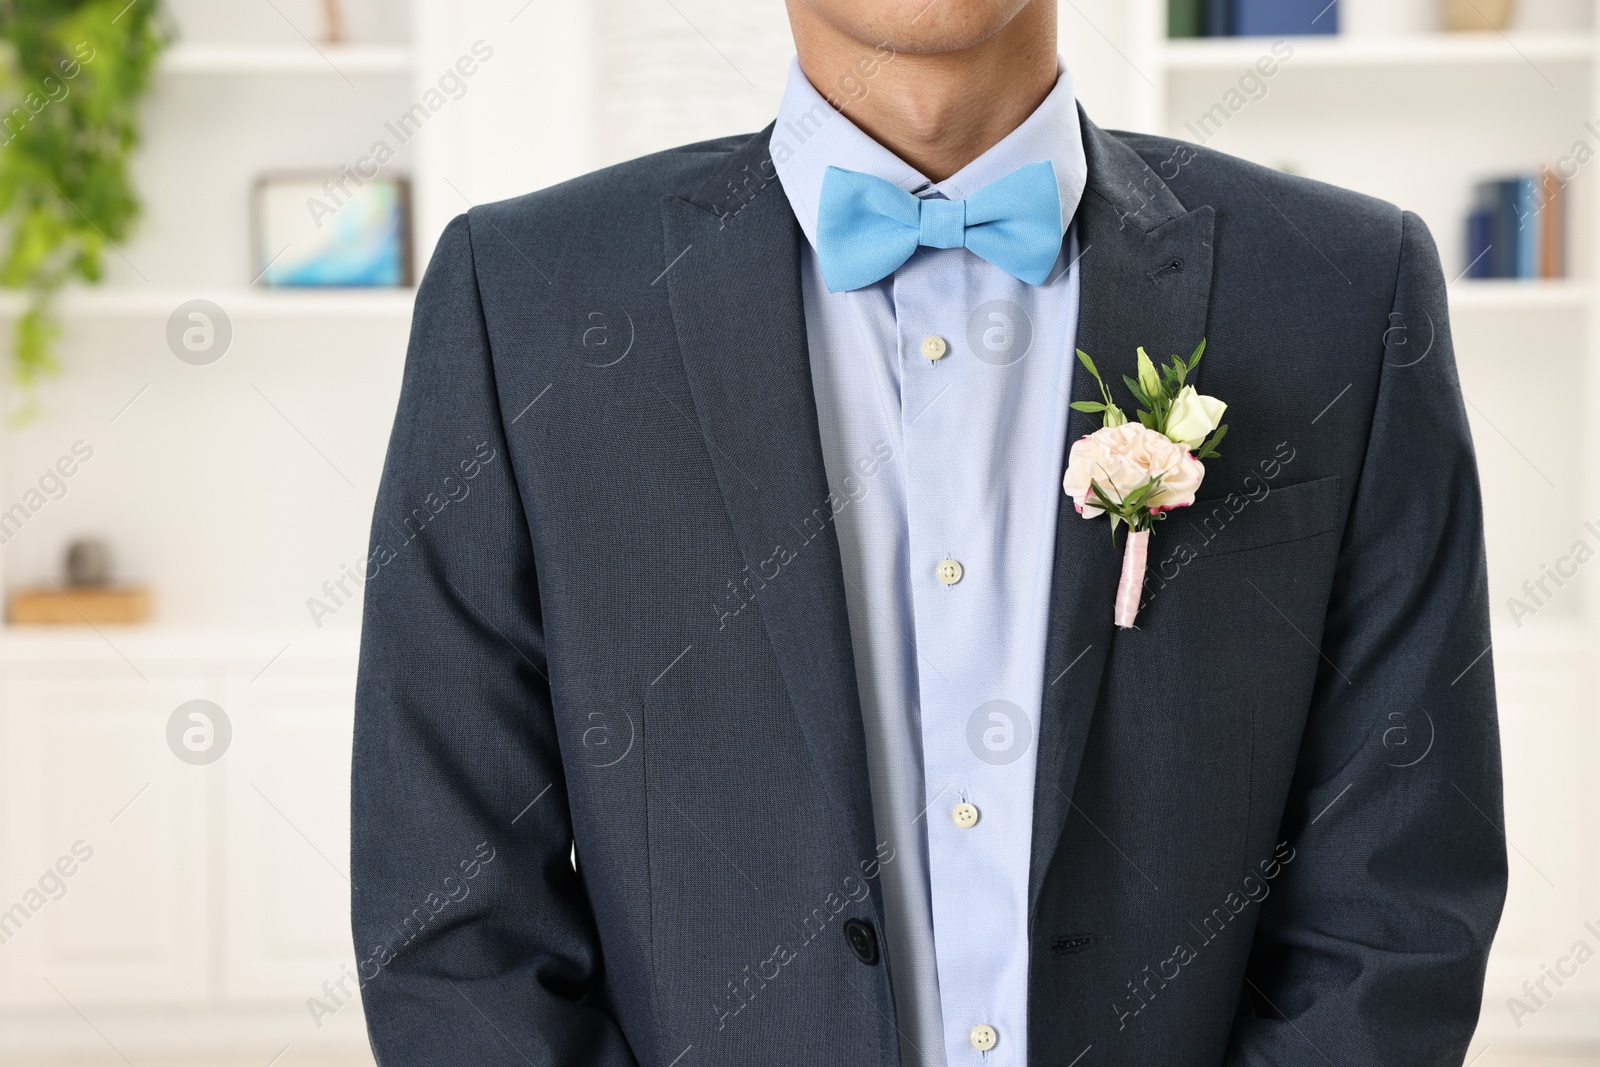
(948, 460)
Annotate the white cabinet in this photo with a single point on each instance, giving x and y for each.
(91, 789)
(286, 834)
(195, 903)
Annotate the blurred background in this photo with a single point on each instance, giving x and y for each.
(212, 213)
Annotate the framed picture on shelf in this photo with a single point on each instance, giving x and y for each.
(331, 229)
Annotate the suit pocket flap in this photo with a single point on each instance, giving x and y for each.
(1240, 522)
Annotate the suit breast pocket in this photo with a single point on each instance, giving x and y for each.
(1219, 557)
(1240, 522)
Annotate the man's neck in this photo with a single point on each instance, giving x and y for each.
(937, 111)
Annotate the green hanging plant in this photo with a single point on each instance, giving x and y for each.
(72, 76)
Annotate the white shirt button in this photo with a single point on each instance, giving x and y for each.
(933, 346)
(949, 572)
(965, 815)
(983, 1037)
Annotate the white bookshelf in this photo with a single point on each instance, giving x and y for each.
(123, 302)
(234, 490)
(1416, 118)
(1412, 50)
(1566, 294)
(303, 59)
(221, 113)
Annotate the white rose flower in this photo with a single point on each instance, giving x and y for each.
(1193, 417)
(1121, 459)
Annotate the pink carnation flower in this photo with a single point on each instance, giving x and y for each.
(1120, 459)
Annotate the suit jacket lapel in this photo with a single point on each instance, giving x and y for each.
(733, 276)
(1146, 280)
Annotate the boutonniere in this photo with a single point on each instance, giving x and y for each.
(1136, 472)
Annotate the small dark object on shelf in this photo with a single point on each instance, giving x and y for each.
(89, 562)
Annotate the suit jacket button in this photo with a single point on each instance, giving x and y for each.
(863, 940)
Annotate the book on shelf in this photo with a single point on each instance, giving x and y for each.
(1516, 227)
(1217, 17)
(1553, 232)
(1186, 18)
(1250, 18)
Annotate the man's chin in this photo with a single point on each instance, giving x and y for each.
(917, 27)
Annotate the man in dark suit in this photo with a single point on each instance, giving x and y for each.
(720, 540)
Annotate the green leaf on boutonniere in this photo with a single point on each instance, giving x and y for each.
(1138, 393)
(1209, 449)
(1113, 414)
(1155, 389)
(1100, 499)
(1135, 500)
(1105, 394)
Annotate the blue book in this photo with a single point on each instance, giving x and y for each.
(1218, 20)
(1517, 227)
(1484, 246)
(1528, 226)
(1280, 18)
(1480, 243)
(1505, 230)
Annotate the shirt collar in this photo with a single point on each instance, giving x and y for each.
(810, 136)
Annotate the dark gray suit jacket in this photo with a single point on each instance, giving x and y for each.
(605, 605)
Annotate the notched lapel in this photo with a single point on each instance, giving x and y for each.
(1146, 265)
(733, 274)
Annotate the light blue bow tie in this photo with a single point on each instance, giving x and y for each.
(868, 227)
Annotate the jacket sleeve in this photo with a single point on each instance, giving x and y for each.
(474, 938)
(1371, 949)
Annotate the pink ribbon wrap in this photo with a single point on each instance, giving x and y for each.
(1131, 584)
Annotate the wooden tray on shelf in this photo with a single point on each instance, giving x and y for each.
(78, 605)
